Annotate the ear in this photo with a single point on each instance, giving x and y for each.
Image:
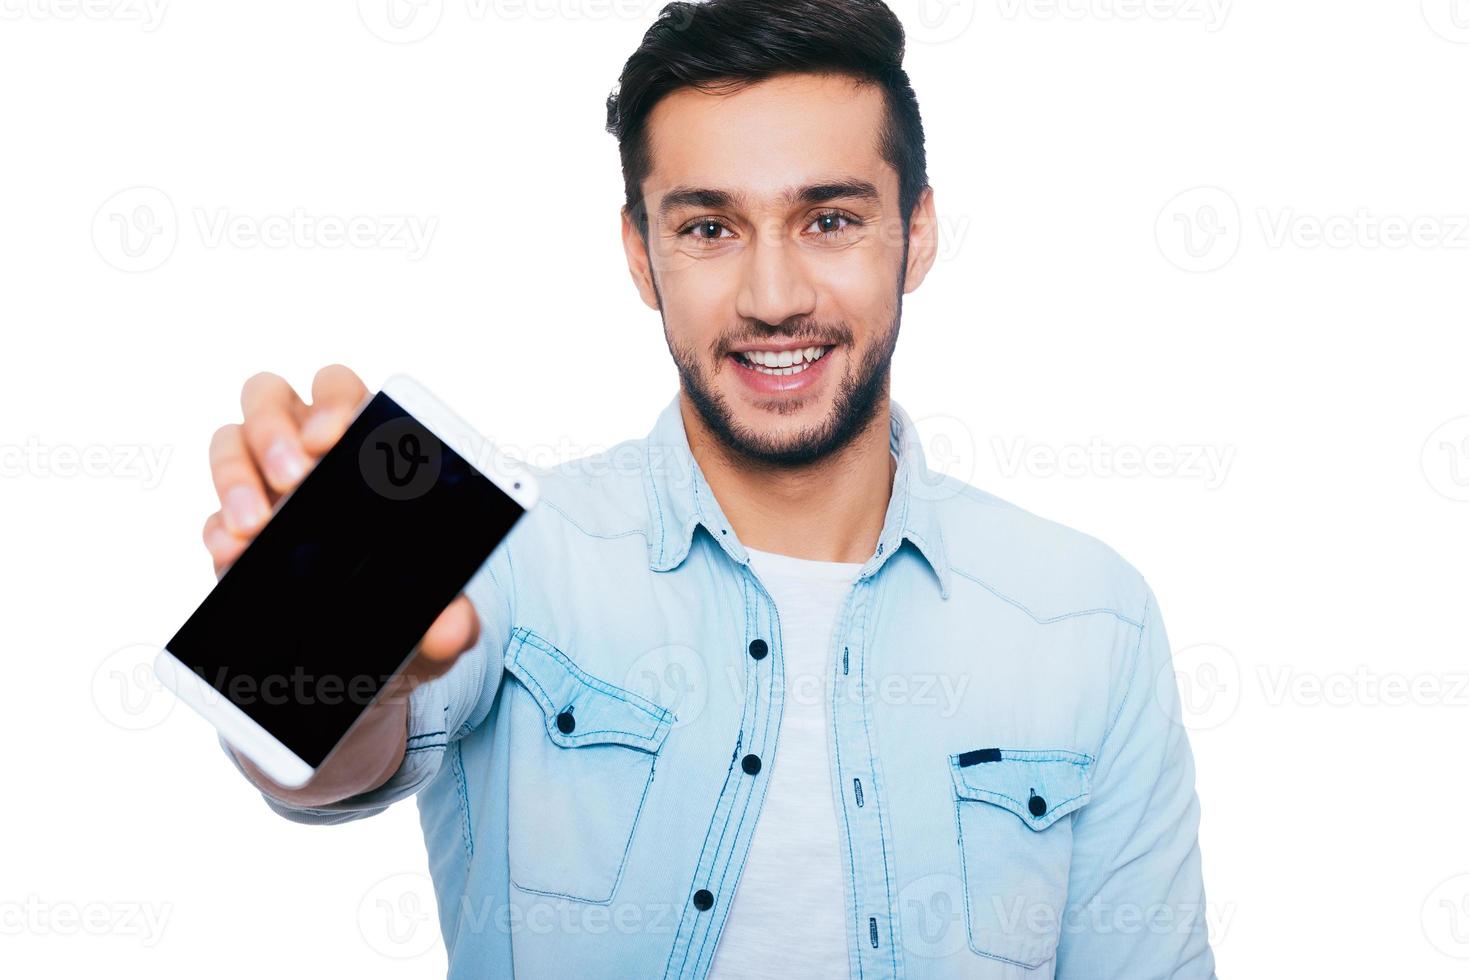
(638, 263)
(923, 240)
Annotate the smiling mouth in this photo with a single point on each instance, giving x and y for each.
(781, 363)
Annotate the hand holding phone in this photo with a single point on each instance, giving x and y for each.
(254, 463)
(330, 609)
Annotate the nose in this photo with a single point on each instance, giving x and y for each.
(775, 284)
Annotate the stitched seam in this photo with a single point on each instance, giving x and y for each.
(968, 912)
(751, 625)
(622, 865)
(887, 878)
(1050, 619)
(595, 683)
(836, 743)
(607, 536)
(1137, 659)
(548, 708)
(466, 826)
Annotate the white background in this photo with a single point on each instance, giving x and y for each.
(1300, 321)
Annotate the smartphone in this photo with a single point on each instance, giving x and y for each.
(302, 632)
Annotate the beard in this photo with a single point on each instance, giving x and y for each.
(859, 395)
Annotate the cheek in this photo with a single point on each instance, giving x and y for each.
(698, 305)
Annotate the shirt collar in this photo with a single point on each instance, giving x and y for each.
(679, 500)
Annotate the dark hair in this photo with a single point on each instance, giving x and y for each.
(722, 45)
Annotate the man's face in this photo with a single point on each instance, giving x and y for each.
(776, 256)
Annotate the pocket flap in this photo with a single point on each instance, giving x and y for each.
(1040, 786)
(581, 709)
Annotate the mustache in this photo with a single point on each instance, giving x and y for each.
(802, 331)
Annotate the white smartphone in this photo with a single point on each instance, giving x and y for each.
(329, 601)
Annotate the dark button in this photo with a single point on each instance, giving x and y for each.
(1037, 805)
(703, 899)
(751, 764)
(565, 723)
(758, 649)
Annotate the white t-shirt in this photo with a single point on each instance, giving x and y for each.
(789, 914)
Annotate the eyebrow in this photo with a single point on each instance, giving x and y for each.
(711, 197)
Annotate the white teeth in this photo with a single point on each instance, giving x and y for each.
(783, 362)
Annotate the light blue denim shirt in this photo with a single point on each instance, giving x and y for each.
(1014, 789)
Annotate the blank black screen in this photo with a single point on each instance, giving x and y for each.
(331, 597)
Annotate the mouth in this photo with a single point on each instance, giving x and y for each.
(781, 362)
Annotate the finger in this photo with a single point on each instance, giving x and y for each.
(273, 413)
(242, 498)
(455, 631)
(336, 393)
(223, 546)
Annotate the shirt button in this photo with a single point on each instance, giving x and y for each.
(758, 649)
(751, 764)
(1037, 806)
(565, 723)
(703, 899)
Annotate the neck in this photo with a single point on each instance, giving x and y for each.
(828, 510)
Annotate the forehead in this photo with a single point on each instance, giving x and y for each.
(781, 132)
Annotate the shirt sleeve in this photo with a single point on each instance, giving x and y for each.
(439, 711)
(1135, 908)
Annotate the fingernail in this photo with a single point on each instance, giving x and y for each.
(285, 463)
(218, 539)
(244, 511)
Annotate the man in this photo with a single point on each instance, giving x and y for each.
(898, 727)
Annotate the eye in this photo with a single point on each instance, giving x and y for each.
(706, 229)
(829, 224)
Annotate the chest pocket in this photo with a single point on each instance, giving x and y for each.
(582, 756)
(1012, 808)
